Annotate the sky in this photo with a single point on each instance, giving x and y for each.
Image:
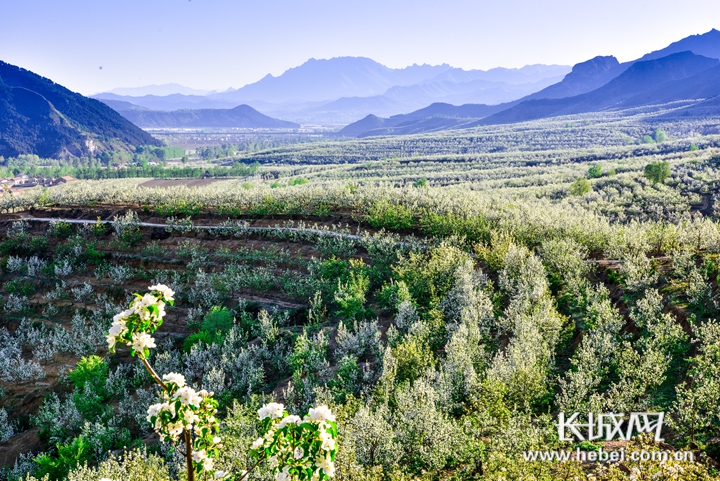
(218, 44)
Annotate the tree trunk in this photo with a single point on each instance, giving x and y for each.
(188, 455)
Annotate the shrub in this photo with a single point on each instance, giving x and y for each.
(90, 370)
(383, 213)
(423, 182)
(580, 187)
(595, 171)
(69, 456)
(660, 136)
(657, 172)
(350, 296)
(414, 358)
(217, 322)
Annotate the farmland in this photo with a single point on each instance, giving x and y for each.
(445, 294)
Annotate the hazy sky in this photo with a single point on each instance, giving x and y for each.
(216, 44)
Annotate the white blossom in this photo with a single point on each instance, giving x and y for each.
(271, 410)
(175, 378)
(321, 413)
(292, 419)
(166, 292)
(143, 340)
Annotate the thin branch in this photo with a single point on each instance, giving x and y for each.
(251, 469)
(152, 372)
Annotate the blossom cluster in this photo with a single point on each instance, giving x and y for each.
(135, 325)
(187, 410)
(185, 414)
(297, 449)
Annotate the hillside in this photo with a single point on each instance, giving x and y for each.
(438, 116)
(242, 116)
(706, 44)
(38, 116)
(461, 278)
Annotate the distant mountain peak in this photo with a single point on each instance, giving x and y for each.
(599, 63)
(160, 90)
(319, 80)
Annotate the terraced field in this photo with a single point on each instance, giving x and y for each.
(446, 307)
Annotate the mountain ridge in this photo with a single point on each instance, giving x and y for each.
(639, 77)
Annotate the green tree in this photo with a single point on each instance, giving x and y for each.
(580, 187)
(420, 182)
(660, 136)
(657, 171)
(595, 171)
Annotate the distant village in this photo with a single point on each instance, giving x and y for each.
(23, 181)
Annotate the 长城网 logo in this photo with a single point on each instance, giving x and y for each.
(609, 426)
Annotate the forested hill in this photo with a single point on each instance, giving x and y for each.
(38, 116)
(242, 116)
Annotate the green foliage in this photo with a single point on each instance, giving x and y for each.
(429, 276)
(385, 214)
(659, 136)
(580, 187)
(216, 323)
(422, 182)
(297, 181)
(350, 296)
(99, 228)
(20, 287)
(646, 139)
(90, 370)
(61, 229)
(657, 172)
(595, 171)
(414, 357)
(69, 456)
(473, 229)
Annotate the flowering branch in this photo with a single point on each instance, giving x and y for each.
(296, 449)
(184, 412)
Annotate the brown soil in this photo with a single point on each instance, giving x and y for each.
(26, 442)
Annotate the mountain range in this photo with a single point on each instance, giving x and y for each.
(164, 89)
(340, 90)
(685, 70)
(38, 116)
